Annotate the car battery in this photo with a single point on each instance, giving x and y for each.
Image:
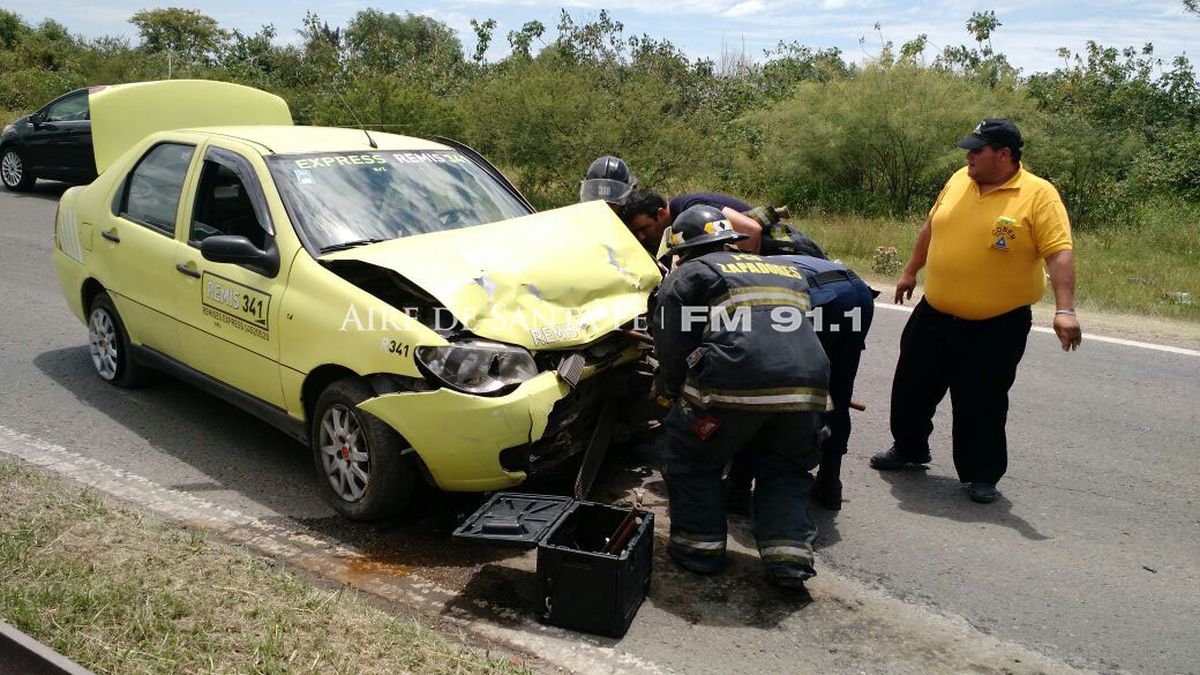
(593, 560)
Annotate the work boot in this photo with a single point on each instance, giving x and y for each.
(893, 460)
(827, 490)
(984, 493)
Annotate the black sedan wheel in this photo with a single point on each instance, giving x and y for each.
(13, 172)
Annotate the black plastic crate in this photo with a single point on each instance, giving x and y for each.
(581, 586)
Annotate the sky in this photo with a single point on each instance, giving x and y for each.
(1030, 34)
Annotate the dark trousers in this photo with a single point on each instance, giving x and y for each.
(843, 333)
(781, 453)
(977, 362)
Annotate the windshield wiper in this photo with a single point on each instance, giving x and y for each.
(349, 244)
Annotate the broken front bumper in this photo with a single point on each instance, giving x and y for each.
(459, 437)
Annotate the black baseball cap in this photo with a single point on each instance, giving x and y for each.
(994, 131)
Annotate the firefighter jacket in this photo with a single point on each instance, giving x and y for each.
(731, 331)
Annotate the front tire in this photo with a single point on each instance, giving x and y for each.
(14, 172)
(108, 344)
(360, 461)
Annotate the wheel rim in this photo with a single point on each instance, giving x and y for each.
(11, 169)
(344, 453)
(102, 339)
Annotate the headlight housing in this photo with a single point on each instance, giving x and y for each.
(477, 366)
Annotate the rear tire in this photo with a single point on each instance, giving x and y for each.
(359, 460)
(14, 172)
(108, 344)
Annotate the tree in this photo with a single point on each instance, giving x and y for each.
(483, 38)
(185, 34)
(387, 42)
(12, 29)
(521, 40)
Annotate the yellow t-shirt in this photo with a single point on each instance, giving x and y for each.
(986, 252)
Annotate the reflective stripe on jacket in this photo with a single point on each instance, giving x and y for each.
(730, 331)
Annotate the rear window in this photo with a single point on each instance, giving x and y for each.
(152, 190)
(342, 199)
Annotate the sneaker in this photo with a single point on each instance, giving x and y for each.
(984, 493)
(892, 460)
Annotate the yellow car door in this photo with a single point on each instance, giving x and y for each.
(236, 275)
(137, 249)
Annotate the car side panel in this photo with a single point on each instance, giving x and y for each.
(326, 320)
(230, 315)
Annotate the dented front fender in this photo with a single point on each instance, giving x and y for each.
(459, 437)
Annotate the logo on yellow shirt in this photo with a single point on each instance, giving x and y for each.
(1003, 233)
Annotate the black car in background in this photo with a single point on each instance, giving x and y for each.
(55, 142)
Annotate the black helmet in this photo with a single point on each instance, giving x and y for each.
(607, 178)
(700, 225)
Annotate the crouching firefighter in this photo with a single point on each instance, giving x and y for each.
(747, 374)
(844, 307)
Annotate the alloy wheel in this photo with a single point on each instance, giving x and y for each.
(103, 344)
(12, 170)
(344, 452)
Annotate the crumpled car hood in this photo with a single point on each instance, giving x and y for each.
(551, 280)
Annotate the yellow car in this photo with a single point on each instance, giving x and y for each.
(392, 302)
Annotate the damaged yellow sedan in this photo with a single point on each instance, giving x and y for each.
(393, 302)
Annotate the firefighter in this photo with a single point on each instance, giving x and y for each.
(607, 178)
(747, 374)
(845, 306)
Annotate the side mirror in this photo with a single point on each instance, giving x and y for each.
(236, 249)
(37, 118)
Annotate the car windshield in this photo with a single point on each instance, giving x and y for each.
(341, 200)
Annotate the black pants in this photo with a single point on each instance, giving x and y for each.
(977, 362)
(843, 333)
(781, 452)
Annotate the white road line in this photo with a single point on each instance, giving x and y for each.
(1087, 337)
(306, 550)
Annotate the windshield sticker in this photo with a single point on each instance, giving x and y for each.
(339, 160)
(429, 158)
(304, 176)
(233, 304)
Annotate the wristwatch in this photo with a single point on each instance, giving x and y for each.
(1070, 312)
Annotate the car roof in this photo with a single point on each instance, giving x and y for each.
(286, 140)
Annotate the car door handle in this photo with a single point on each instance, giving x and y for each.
(187, 270)
(111, 235)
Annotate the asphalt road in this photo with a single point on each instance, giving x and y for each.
(1091, 557)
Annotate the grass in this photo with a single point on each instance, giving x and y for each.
(119, 592)
(1132, 270)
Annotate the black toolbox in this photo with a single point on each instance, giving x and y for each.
(581, 586)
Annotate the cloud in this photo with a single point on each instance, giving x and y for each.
(744, 8)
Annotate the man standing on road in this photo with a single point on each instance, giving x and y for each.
(740, 358)
(984, 243)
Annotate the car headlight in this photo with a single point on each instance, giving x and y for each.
(478, 366)
(7, 128)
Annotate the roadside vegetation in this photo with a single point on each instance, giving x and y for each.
(858, 149)
(120, 592)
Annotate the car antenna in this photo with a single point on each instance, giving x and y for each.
(363, 127)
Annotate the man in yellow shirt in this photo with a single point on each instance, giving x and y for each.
(985, 241)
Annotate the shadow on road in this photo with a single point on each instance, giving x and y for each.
(943, 497)
(233, 449)
(43, 189)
